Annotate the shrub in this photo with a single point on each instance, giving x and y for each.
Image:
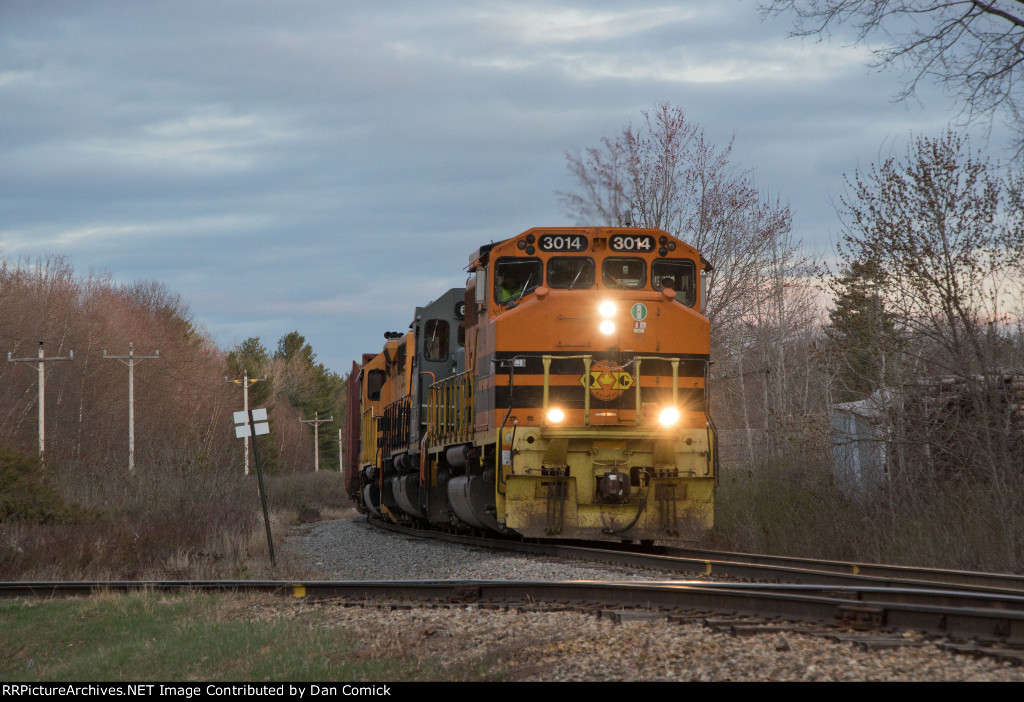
(25, 497)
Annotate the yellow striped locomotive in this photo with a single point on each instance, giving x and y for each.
(562, 394)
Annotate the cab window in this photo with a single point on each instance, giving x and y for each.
(624, 273)
(436, 335)
(514, 278)
(678, 275)
(374, 382)
(397, 367)
(570, 272)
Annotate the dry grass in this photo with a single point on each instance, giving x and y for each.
(168, 523)
(797, 510)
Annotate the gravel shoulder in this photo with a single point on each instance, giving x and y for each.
(570, 646)
(351, 549)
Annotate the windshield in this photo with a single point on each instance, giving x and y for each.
(624, 273)
(570, 272)
(515, 278)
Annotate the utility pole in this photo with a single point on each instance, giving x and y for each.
(132, 359)
(41, 360)
(245, 382)
(316, 437)
(341, 454)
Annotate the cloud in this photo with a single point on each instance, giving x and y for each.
(328, 166)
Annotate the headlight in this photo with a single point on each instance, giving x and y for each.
(607, 308)
(668, 416)
(607, 327)
(555, 415)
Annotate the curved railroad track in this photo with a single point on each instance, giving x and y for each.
(985, 607)
(979, 613)
(744, 566)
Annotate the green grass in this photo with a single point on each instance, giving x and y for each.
(188, 637)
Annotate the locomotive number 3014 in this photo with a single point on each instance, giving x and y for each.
(631, 242)
(560, 242)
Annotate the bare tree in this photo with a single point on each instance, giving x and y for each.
(182, 409)
(769, 377)
(946, 233)
(666, 174)
(974, 48)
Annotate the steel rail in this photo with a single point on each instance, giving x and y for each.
(763, 568)
(1006, 582)
(936, 612)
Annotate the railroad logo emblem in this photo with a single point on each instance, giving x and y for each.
(607, 381)
(639, 311)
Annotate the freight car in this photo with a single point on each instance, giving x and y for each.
(562, 394)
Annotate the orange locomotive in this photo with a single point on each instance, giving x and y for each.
(562, 394)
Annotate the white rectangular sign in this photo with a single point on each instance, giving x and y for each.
(259, 417)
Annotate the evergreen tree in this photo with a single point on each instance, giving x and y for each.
(315, 390)
(861, 332)
(251, 358)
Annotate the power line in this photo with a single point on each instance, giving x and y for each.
(132, 359)
(41, 360)
(316, 437)
(245, 382)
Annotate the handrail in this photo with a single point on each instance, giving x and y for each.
(368, 450)
(588, 360)
(396, 418)
(450, 410)
(450, 402)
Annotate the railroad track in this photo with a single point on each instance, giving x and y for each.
(743, 566)
(870, 607)
(984, 607)
(810, 570)
(983, 623)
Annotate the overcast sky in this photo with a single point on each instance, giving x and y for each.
(327, 166)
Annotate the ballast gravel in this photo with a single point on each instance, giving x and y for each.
(573, 646)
